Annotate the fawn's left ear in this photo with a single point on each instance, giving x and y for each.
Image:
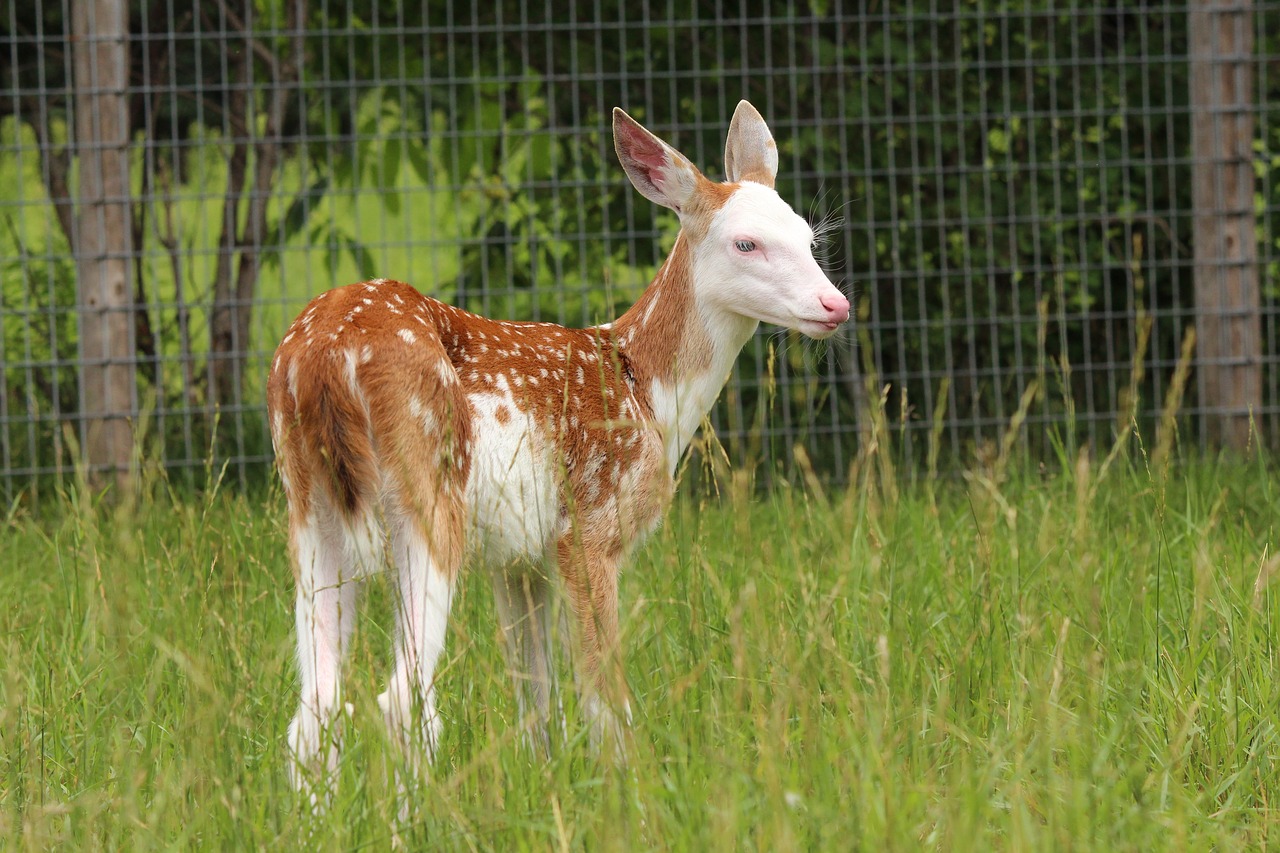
(750, 154)
(658, 171)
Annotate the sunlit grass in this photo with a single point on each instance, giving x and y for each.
(1043, 661)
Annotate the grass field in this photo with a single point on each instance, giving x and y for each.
(1047, 660)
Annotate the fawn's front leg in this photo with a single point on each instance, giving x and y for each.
(590, 573)
(523, 595)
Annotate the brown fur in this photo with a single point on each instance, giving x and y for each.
(341, 424)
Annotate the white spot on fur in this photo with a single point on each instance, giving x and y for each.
(423, 414)
(648, 311)
(407, 336)
(592, 472)
(353, 383)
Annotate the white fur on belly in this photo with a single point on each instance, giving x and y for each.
(511, 493)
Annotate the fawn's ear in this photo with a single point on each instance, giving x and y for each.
(658, 171)
(750, 154)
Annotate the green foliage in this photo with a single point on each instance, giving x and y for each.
(1053, 661)
(37, 319)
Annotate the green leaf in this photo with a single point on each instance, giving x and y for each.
(389, 173)
(361, 256)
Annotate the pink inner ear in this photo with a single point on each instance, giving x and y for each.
(652, 156)
(647, 152)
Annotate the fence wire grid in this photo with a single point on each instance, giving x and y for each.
(1011, 195)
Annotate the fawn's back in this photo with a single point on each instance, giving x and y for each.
(388, 402)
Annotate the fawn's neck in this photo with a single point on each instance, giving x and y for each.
(680, 350)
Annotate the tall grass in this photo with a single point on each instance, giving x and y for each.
(1030, 661)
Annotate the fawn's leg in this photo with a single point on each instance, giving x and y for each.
(591, 583)
(523, 596)
(425, 582)
(325, 614)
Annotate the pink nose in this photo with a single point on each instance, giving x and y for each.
(835, 303)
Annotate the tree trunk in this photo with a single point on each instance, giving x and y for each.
(103, 242)
(232, 314)
(1228, 324)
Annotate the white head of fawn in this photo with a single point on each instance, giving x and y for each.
(408, 427)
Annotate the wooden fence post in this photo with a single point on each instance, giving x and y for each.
(1228, 324)
(103, 241)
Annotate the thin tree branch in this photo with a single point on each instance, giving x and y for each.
(221, 335)
(168, 238)
(267, 150)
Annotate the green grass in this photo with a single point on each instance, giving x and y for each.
(1052, 662)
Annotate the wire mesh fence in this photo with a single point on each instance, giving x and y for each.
(1028, 201)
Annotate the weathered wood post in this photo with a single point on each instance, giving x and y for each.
(1228, 324)
(103, 238)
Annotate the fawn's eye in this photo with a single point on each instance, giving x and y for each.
(744, 246)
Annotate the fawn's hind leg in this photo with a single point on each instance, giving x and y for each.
(425, 577)
(325, 614)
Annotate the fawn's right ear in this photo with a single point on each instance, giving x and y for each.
(750, 154)
(658, 171)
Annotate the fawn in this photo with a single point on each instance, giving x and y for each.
(405, 425)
